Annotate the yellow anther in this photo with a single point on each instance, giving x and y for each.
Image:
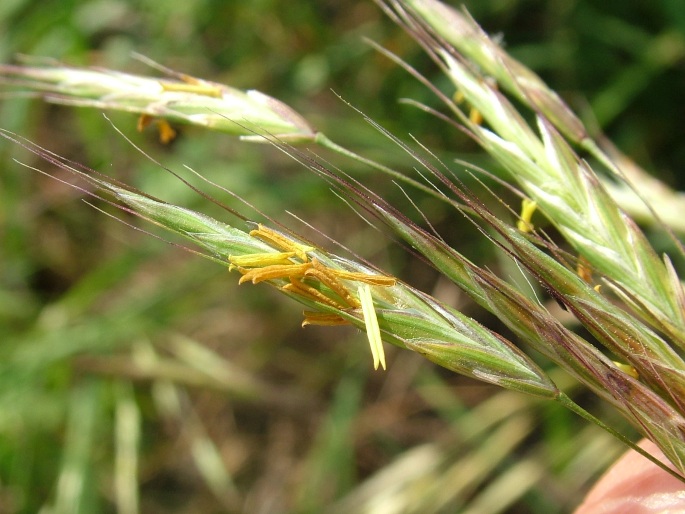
(628, 369)
(300, 288)
(584, 269)
(282, 242)
(166, 132)
(366, 278)
(373, 331)
(325, 276)
(322, 319)
(475, 116)
(258, 260)
(194, 86)
(275, 271)
(528, 207)
(143, 121)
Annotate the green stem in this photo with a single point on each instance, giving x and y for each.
(574, 407)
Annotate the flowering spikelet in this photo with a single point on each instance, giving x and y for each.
(295, 266)
(180, 98)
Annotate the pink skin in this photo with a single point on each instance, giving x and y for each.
(634, 485)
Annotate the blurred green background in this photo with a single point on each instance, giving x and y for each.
(135, 377)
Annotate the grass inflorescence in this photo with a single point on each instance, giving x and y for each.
(598, 265)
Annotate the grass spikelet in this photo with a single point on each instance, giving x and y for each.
(184, 100)
(566, 189)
